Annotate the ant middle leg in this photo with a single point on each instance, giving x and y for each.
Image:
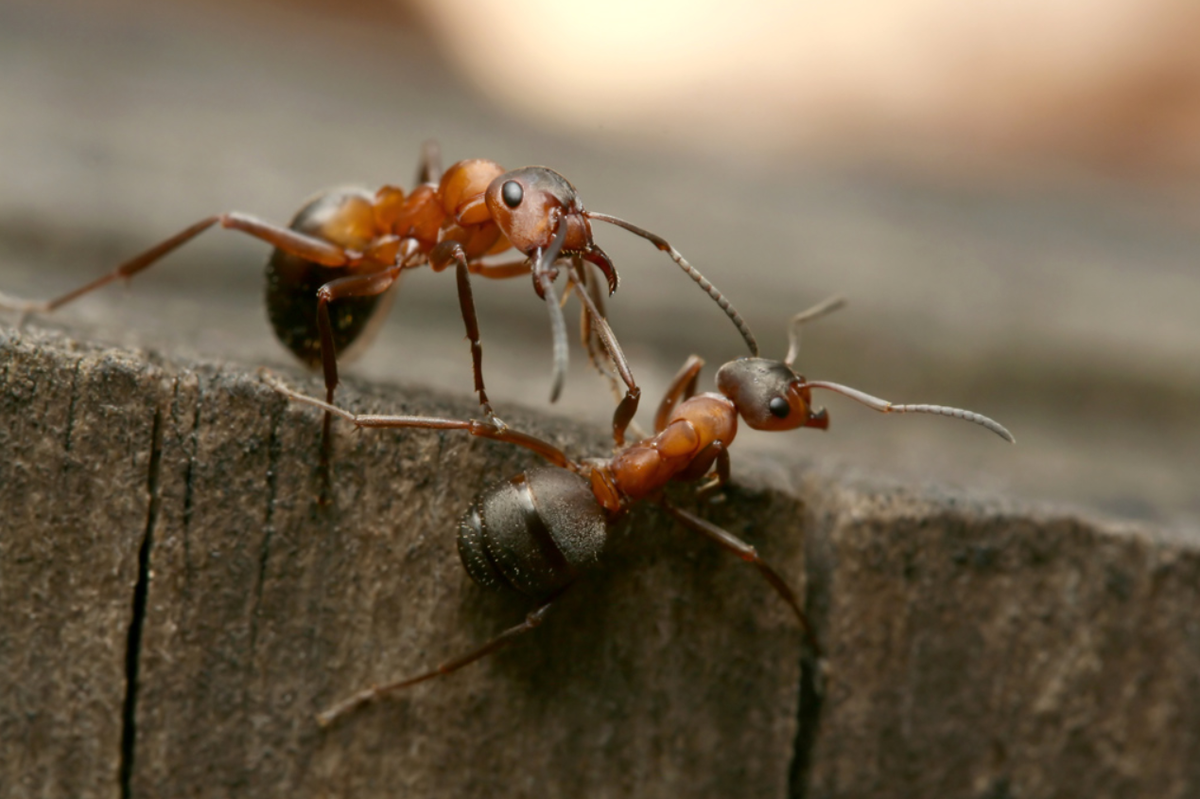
(451, 252)
(749, 554)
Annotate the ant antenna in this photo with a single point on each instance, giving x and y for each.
(692, 272)
(543, 280)
(883, 406)
(816, 312)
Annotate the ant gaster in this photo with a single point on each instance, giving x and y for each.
(536, 532)
(330, 274)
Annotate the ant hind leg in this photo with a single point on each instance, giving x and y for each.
(376, 692)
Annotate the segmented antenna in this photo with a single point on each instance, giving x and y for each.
(692, 272)
(822, 308)
(883, 406)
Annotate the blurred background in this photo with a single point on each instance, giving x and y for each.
(1009, 195)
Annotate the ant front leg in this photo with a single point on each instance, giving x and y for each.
(749, 554)
(375, 692)
(682, 387)
(310, 249)
(627, 408)
(721, 477)
(488, 429)
(502, 271)
(587, 330)
(440, 257)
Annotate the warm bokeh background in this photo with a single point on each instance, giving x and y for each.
(1007, 193)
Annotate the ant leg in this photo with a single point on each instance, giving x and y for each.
(476, 428)
(683, 386)
(628, 406)
(289, 241)
(721, 476)
(429, 167)
(502, 271)
(750, 555)
(351, 286)
(439, 258)
(586, 281)
(375, 692)
(587, 330)
(592, 345)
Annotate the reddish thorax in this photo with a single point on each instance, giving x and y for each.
(683, 450)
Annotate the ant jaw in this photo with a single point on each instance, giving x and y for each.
(595, 255)
(818, 420)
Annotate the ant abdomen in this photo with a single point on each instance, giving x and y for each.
(533, 534)
(343, 217)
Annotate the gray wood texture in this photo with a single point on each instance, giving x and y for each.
(252, 608)
(177, 607)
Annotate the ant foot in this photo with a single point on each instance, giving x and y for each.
(23, 308)
(273, 380)
(711, 486)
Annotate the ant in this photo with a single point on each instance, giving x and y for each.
(348, 247)
(534, 533)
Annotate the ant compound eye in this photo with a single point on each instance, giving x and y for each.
(512, 193)
(779, 407)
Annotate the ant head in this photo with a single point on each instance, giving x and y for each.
(529, 204)
(769, 395)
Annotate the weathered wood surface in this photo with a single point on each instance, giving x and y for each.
(675, 673)
(167, 580)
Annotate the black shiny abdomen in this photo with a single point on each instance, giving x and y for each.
(292, 283)
(534, 533)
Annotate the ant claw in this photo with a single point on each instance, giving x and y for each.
(273, 381)
(22, 308)
(711, 486)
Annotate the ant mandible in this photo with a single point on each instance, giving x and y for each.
(535, 533)
(347, 248)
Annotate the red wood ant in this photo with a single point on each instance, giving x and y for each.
(536, 532)
(347, 248)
